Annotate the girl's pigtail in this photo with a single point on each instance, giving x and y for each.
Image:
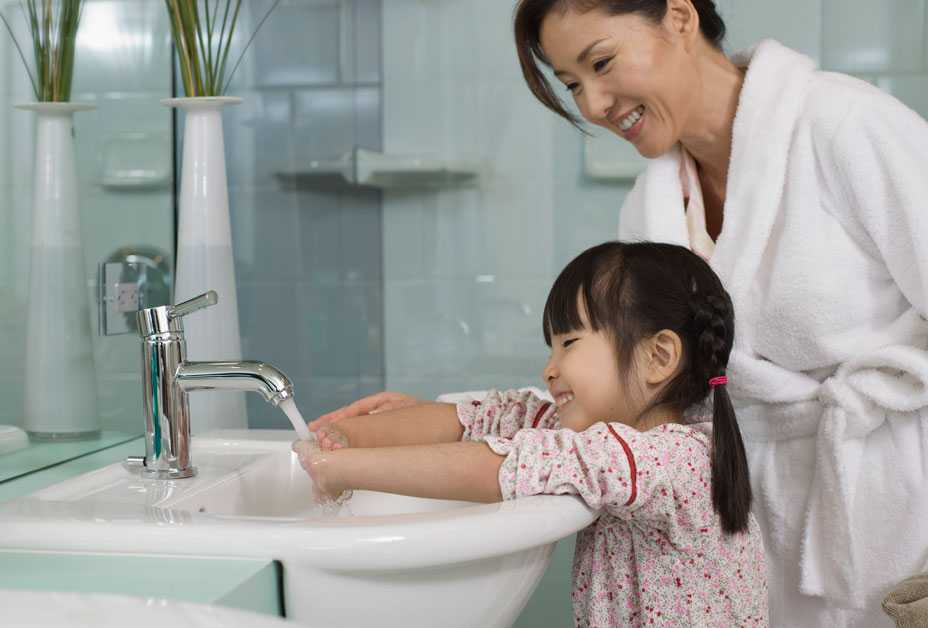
(731, 484)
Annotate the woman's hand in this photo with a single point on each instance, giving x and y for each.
(373, 404)
(321, 467)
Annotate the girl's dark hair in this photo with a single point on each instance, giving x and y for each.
(531, 13)
(632, 291)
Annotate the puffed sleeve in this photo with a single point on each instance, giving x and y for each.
(505, 413)
(609, 465)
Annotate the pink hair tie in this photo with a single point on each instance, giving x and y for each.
(718, 381)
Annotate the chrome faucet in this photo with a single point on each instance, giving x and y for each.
(167, 378)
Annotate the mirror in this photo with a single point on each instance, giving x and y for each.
(125, 205)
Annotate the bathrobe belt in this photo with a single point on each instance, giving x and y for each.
(840, 412)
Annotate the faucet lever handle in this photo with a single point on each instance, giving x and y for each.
(194, 304)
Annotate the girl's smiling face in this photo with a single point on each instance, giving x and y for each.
(583, 376)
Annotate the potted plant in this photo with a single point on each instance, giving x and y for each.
(203, 32)
(60, 379)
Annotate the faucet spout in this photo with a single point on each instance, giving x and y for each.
(257, 377)
(167, 378)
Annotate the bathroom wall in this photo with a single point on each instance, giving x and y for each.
(466, 270)
(308, 249)
(122, 67)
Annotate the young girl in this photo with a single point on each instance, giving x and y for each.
(638, 334)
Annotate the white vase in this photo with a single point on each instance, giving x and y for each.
(60, 386)
(204, 258)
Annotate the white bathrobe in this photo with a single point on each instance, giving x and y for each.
(824, 250)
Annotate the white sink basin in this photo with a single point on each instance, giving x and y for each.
(381, 560)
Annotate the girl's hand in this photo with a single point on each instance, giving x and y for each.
(320, 466)
(373, 404)
(331, 437)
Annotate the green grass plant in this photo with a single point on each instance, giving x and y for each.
(53, 26)
(202, 31)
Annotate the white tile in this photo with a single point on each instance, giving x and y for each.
(270, 325)
(910, 89)
(272, 217)
(369, 385)
(459, 328)
(495, 51)
(326, 394)
(863, 36)
(457, 235)
(119, 402)
(405, 130)
(360, 236)
(404, 233)
(339, 329)
(413, 33)
(117, 355)
(594, 207)
(13, 406)
(510, 334)
(257, 136)
(362, 47)
(431, 327)
(123, 47)
(298, 45)
(324, 123)
(320, 227)
(794, 23)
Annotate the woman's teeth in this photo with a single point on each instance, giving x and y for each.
(563, 399)
(629, 121)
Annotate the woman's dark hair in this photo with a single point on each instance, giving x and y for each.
(531, 13)
(632, 291)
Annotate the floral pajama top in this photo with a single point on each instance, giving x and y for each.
(657, 555)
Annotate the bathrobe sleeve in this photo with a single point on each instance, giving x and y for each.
(505, 413)
(610, 466)
(880, 156)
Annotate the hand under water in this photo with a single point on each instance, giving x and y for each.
(316, 461)
(331, 437)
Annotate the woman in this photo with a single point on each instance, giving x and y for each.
(803, 189)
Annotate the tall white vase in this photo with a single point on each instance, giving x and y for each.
(204, 257)
(60, 386)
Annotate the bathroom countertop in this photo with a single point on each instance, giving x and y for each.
(119, 449)
(252, 585)
(37, 455)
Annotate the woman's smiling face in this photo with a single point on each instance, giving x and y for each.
(625, 72)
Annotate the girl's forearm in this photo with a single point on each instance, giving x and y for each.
(423, 424)
(466, 471)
